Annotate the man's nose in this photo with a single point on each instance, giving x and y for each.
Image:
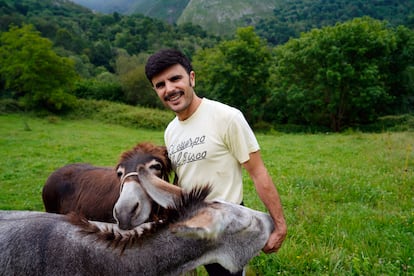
(169, 86)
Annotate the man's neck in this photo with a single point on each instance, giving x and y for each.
(195, 103)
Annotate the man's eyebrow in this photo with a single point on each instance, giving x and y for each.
(172, 78)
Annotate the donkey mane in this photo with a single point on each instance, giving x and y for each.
(188, 203)
(146, 148)
(183, 207)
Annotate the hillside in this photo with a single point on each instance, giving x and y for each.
(99, 39)
(275, 20)
(223, 17)
(290, 18)
(219, 17)
(272, 17)
(120, 6)
(166, 10)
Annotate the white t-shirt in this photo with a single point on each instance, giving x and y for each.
(209, 148)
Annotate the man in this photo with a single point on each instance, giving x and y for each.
(209, 142)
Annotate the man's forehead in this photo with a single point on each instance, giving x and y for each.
(170, 72)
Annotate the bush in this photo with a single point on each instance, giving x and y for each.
(121, 114)
(397, 122)
(404, 122)
(9, 106)
(96, 90)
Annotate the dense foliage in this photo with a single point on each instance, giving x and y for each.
(102, 45)
(33, 72)
(275, 20)
(168, 11)
(343, 75)
(290, 18)
(95, 37)
(245, 63)
(338, 76)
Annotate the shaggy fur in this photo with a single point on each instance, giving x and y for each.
(189, 203)
(194, 232)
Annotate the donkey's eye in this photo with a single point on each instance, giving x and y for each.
(119, 173)
(157, 167)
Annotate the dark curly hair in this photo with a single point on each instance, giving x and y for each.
(164, 59)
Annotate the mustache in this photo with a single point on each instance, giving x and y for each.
(173, 94)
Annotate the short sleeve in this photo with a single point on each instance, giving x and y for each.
(240, 138)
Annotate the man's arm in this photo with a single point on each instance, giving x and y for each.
(268, 194)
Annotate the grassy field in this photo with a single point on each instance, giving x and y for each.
(348, 198)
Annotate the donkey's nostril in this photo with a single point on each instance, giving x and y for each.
(134, 210)
(124, 226)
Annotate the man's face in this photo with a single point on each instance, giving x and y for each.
(174, 87)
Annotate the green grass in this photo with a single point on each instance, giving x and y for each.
(348, 198)
(32, 148)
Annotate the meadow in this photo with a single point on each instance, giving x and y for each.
(348, 198)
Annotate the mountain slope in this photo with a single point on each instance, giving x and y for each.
(275, 20)
(220, 17)
(224, 16)
(166, 10)
(120, 6)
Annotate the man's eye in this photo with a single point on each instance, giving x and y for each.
(176, 78)
(159, 85)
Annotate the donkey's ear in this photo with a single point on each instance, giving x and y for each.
(162, 192)
(207, 224)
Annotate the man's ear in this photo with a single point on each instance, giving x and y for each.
(192, 79)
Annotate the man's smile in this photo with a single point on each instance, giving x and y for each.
(173, 96)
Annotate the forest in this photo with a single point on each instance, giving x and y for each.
(290, 18)
(326, 75)
(276, 20)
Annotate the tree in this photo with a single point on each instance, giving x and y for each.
(400, 73)
(101, 54)
(334, 76)
(236, 72)
(105, 86)
(33, 72)
(136, 87)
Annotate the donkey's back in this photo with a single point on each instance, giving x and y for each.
(37, 243)
(31, 241)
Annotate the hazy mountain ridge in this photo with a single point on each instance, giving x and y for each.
(120, 6)
(217, 16)
(168, 11)
(152, 8)
(223, 17)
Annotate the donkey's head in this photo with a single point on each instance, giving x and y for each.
(134, 206)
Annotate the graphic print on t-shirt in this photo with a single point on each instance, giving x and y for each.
(187, 151)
